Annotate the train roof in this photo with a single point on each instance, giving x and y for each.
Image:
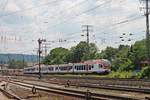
(98, 61)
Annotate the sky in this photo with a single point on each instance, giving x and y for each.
(23, 22)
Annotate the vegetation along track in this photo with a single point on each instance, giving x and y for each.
(72, 92)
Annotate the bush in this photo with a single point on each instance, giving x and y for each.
(122, 65)
(144, 73)
(121, 74)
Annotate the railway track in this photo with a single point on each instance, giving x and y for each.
(96, 80)
(102, 85)
(94, 85)
(10, 95)
(99, 86)
(72, 92)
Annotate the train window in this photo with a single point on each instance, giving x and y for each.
(80, 67)
(64, 68)
(100, 66)
(89, 67)
(92, 66)
(60, 68)
(56, 68)
(50, 68)
(70, 67)
(83, 67)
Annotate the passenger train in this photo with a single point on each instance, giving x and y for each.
(99, 66)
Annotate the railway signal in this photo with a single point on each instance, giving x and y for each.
(39, 53)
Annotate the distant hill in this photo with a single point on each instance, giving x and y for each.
(5, 58)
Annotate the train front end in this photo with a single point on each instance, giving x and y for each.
(101, 66)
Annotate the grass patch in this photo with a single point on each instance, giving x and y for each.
(121, 74)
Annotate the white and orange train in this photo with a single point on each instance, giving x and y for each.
(99, 66)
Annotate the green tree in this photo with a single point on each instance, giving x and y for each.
(109, 53)
(75, 54)
(145, 73)
(83, 52)
(71, 56)
(123, 51)
(56, 56)
(122, 64)
(92, 52)
(138, 53)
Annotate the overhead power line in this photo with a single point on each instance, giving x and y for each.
(4, 5)
(125, 21)
(23, 10)
(86, 11)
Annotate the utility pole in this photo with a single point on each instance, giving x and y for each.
(39, 54)
(87, 29)
(147, 31)
(45, 47)
(146, 13)
(45, 50)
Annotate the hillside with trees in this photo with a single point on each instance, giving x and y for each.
(5, 58)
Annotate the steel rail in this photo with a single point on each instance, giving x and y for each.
(10, 95)
(101, 86)
(70, 92)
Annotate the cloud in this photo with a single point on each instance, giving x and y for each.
(61, 19)
(12, 7)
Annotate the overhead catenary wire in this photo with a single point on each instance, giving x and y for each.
(26, 9)
(75, 6)
(125, 21)
(93, 8)
(122, 22)
(63, 11)
(64, 40)
(3, 6)
(86, 11)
